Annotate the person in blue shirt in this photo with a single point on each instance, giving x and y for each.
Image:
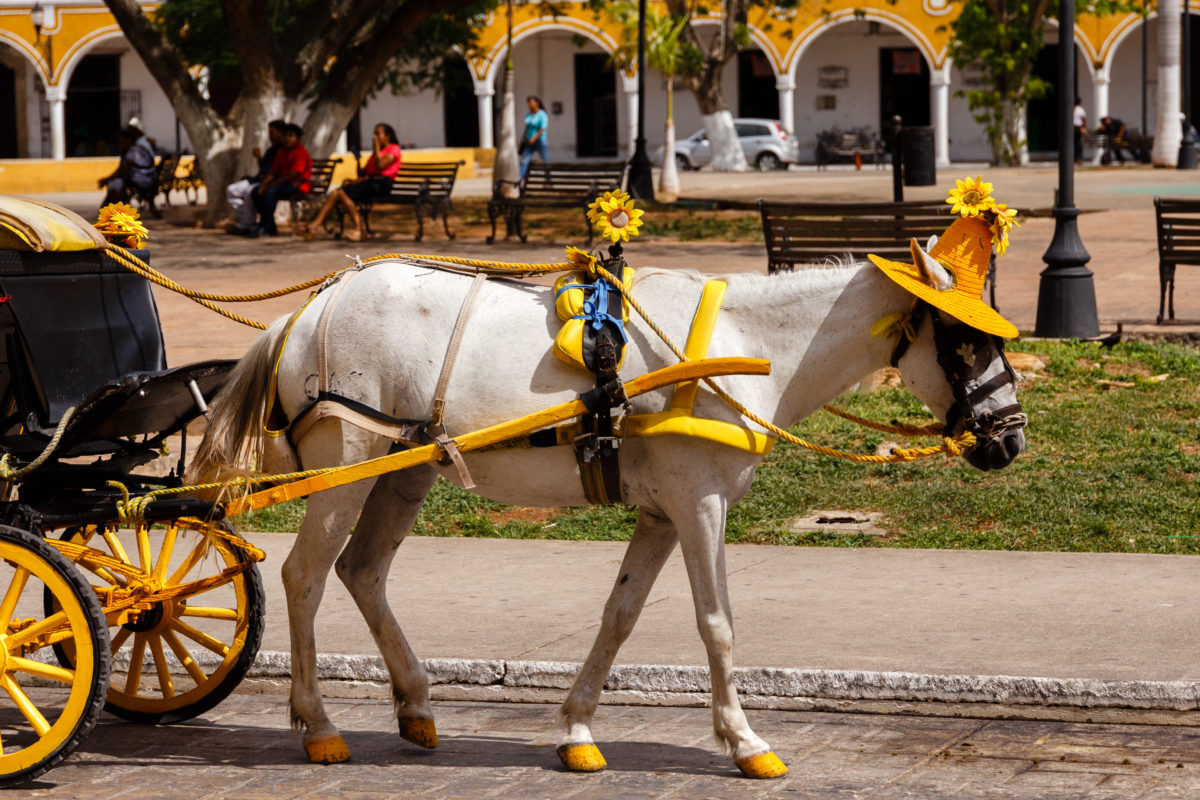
(534, 139)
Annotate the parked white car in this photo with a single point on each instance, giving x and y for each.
(764, 141)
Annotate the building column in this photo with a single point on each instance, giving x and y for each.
(484, 92)
(629, 85)
(1100, 99)
(939, 82)
(786, 85)
(56, 96)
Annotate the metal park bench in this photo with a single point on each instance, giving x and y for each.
(853, 144)
(305, 205)
(805, 233)
(426, 187)
(553, 185)
(1177, 221)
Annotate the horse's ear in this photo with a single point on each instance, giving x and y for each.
(933, 273)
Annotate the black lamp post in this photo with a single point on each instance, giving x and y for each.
(1066, 296)
(641, 178)
(1188, 158)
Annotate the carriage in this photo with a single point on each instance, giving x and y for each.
(121, 590)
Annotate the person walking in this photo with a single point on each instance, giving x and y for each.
(1079, 122)
(536, 123)
(373, 181)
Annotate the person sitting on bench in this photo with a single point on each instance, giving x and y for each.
(373, 181)
(291, 174)
(136, 170)
(1114, 140)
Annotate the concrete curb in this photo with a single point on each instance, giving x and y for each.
(669, 685)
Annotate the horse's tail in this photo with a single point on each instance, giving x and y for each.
(236, 415)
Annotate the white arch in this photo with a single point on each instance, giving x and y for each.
(529, 28)
(1082, 44)
(76, 52)
(805, 38)
(31, 54)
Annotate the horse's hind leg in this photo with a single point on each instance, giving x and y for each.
(652, 542)
(363, 566)
(326, 524)
(701, 528)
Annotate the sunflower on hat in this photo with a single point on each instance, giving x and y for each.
(951, 273)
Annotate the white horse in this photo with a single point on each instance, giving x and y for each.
(385, 343)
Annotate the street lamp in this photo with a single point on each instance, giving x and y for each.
(1066, 296)
(641, 178)
(1187, 145)
(38, 16)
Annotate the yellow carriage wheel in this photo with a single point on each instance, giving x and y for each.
(45, 709)
(184, 654)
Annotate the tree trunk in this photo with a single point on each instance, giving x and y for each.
(507, 167)
(1168, 132)
(668, 178)
(727, 154)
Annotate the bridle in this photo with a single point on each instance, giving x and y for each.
(956, 347)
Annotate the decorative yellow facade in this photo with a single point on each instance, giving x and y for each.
(783, 36)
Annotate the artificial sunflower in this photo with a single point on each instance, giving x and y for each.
(582, 259)
(120, 224)
(618, 219)
(971, 197)
(594, 213)
(1004, 219)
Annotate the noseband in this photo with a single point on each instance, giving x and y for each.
(957, 348)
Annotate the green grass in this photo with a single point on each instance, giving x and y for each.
(1107, 468)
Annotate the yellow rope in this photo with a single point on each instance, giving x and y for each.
(7, 473)
(508, 266)
(950, 445)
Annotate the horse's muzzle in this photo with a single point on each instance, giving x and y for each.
(997, 452)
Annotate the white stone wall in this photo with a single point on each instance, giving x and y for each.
(1125, 91)
(158, 117)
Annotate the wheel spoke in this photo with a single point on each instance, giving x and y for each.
(185, 658)
(189, 563)
(103, 574)
(210, 613)
(114, 544)
(39, 723)
(133, 678)
(37, 629)
(51, 671)
(200, 637)
(165, 551)
(12, 595)
(160, 663)
(143, 544)
(120, 638)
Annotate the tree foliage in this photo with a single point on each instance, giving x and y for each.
(311, 59)
(1002, 38)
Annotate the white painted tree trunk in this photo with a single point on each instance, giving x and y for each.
(507, 167)
(1168, 131)
(727, 154)
(1022, 140)
(668, 178)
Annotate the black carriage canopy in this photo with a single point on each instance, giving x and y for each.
(81, 330)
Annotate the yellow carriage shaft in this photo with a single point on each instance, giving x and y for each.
(495, 434)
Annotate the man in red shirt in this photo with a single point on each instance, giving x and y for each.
(291, 174)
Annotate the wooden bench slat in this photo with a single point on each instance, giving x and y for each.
(548, 185)
(1178, 245)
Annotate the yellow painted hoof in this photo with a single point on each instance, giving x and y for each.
(581, 757)
(328, 751)
(419, 731)
(763, 765)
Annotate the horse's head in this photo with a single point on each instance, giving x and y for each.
(961, 373)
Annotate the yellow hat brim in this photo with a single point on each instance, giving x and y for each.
(969, 310)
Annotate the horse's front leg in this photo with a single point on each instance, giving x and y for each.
(652, 542)
(363, 567)
(701, 529)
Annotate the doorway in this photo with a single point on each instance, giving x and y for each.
(93, 111)
(595, 106)
(8, 112)
(460, 111)
(1041, 118)
(903, 87)
(757, 94)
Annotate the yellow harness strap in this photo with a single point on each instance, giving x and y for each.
(679, 420)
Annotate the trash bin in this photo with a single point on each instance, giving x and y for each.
(916, 146)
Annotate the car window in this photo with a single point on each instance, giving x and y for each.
(745, 129)
(759, 130)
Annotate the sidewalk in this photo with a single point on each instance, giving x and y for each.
(1112, 636)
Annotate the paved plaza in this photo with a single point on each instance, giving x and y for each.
(243, 750)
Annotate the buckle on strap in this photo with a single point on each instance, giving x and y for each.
(450, 455)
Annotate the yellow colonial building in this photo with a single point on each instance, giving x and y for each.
(68, 79)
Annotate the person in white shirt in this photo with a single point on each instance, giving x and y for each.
(1079, 122)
